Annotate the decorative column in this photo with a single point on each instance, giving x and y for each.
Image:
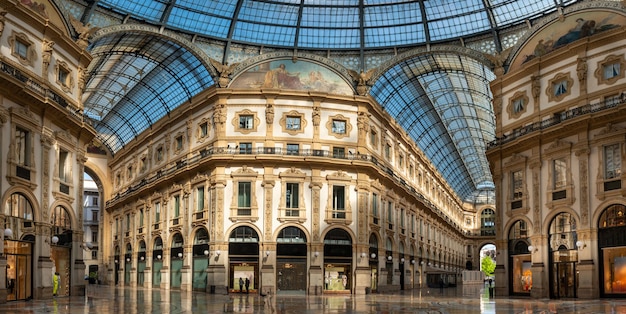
(538, 268)
(4, 117)
(216, 272)
(268, 278)
(316, 274)
(362, 273)
(587, 283)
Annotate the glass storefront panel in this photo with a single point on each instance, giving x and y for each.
(337, 277)
(200, 265)
(240, 272)
(291, 275)
(522, 275)
(614, 265)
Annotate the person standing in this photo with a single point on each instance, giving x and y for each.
(247, 284)
(240, 284)
(55, 283)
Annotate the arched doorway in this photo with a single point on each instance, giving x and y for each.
(337, 261)
(563, 256)
(141, 263)
(612, 251)
(61, 248)
(291, 253)
(157, 262)
(373, 262)
(243, 254)
(18, 247)
(520, 261)
(176, 261)
(200, 259)
(128, 263)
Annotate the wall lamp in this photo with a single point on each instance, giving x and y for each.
(580, 245)
(180, 255)
(267, 253)
(8, 233)
(316, 254)
(159, 257)
(206, 252)
(402, 260)
(127, 259)
(389, 258)
(373, 255)
(532, 249)
(412, 261)
(54, 239)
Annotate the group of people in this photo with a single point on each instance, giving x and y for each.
(243, 283)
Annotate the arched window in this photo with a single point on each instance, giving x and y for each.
(613, 216)
(19, 206)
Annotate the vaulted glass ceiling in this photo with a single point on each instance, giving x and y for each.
(444, 103)
(441, 99)
(336, 24)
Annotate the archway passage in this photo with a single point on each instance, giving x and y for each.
(337, 261)
(520, 260)
(157, 262)
(200, 259)
(291, 266)
(176, 259)
(563, 256)
(243, 254)
(612, 251)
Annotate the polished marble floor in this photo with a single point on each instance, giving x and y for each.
(462, 299)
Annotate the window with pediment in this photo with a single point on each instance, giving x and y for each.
(22, 48)
(559, 87)
(246, 121)
(610, 70)
(293, 122)
(517, 105)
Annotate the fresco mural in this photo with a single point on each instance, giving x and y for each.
(559, 34)
(284, 74)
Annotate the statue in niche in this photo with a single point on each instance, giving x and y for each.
(269, 113)
(46, 54)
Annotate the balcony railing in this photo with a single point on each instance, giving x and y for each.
(40, 89)
(216, 152)
(565, 116)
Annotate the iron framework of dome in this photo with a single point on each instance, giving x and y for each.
(441, 99)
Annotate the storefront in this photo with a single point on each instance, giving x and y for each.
(243, 254)
(19, 255)
(200, 252)
(520, 261)
(291, 266)
(337, 262)
(612, 251)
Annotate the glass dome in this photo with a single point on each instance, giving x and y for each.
(442, 99)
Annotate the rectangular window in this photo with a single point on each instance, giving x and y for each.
(560, 172)
(389, 212)
(94, 215)
(130, 172)
(402, 218)
(373, 138)
(611, 70)
(244, 194)
(517, 184)
(141, 217)
(292, 194)
(94, 201)
(176, 206)
(560, 88)
(339, 126)
(293, 123)
(339, 152)
(64, 166)
(293, 149)
(200, 198)
(388, 151)
(157, 211)
(246, 122)
(339, 199)
(22, 147)
(400, 160)
(179, 142)
(612, 162)
(21, 49)
(518, 105)
(374, 204)
(204, 129)
(143, 164)
(245, 148)
(127, 222)
(94, 236)
(63, 77)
